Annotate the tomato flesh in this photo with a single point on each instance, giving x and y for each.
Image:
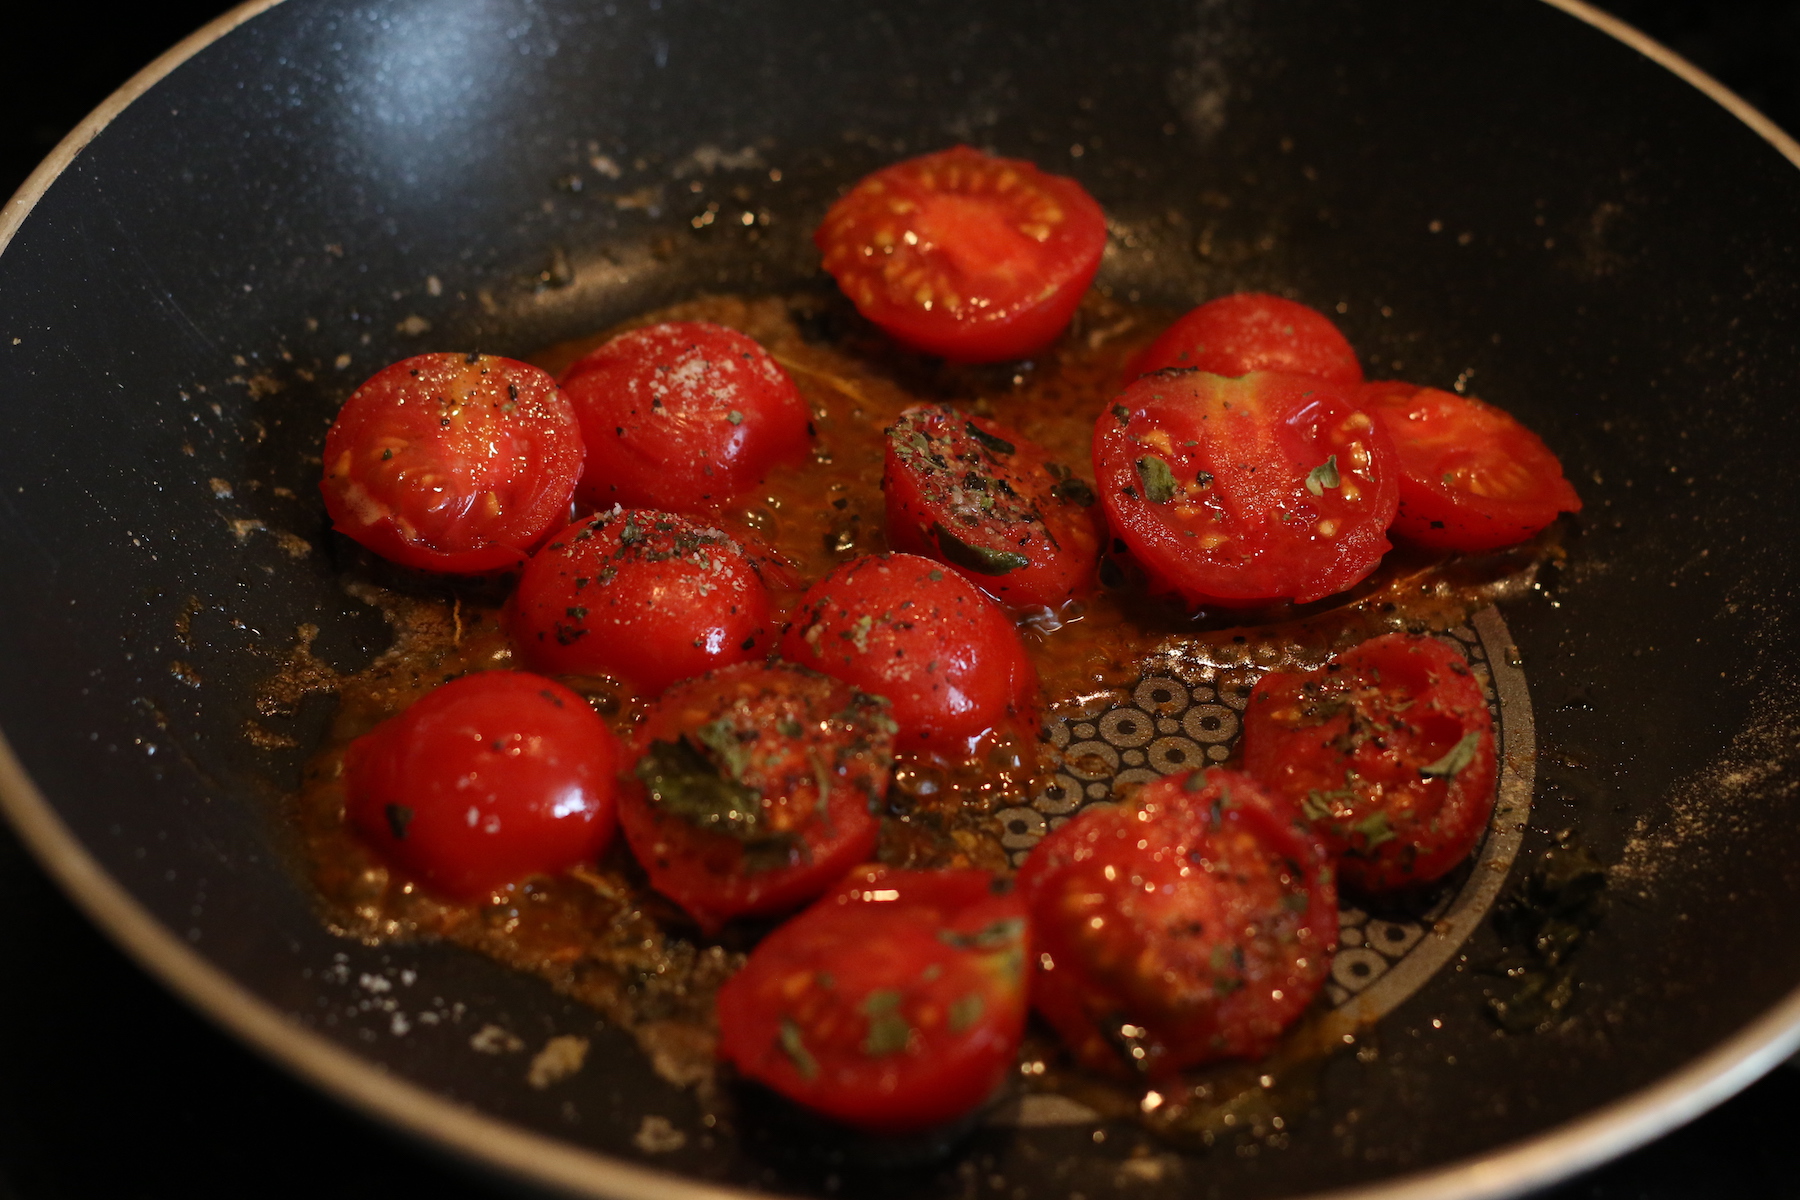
(1388, 750)
(947, 658)
(1471, 477)
(990, 505)
(752, 788)
(453, 462)
(894, 1004)
(486, 780)
(682, 416)
(1252, 331)
(1247, 491)
(1193, 922)
(649, 597)
(965, 255)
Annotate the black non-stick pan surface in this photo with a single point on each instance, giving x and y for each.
(1493, 191)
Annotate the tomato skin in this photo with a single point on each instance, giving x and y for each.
(650, 597)
(1253, 331)
(1138, 913)
(492, 777)
(682, 416)
(947, 658)
(776, 729)
(965, 255)
(1348, 742)
(1241, 525)
(894, 1004)
(452, 462)
(1471, 477)
(1021, 533)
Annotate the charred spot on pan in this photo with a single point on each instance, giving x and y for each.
(1543, 922)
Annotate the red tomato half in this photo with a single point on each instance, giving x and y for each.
(452, 462)
(1251, 331)
(1471, 477)
(991, 505)
(649, 597)
(894, 1004)
(946, 657)
(682, 416)
(965, 255)
(1195, 922)
(753, 788)
(488, 779)
(1388, 750)
(1239, 492)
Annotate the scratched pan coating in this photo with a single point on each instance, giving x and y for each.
(1493, 191)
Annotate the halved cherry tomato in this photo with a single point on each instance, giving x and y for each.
(452, 462)
(1388, 750)
(753, 787)
(1252, 331)
(894, 1004)
(946, 657)
(488, 779)
(990, 504)
(650, 597)
(1193, 922)
(682, 416)
(1471, 477)
(965, 255)
(1239, 492)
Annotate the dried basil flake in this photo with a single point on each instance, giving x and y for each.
(1159, 481)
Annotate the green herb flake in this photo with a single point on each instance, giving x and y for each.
(978, 559)
(796, 1050)
(1458, 757)
(684, 782)
(730, 748)
(881, 1002)
(398, 818)
(1123, 413)
(1374, 829)
(788, 727)
(936, 576)
(1323, 476)
(1159, 481)
(994, 444)
(735, 417)
(859, 632)
(576, 611)
(965, 1011)
(1294, 902)
(989, 937)
(887, 1035)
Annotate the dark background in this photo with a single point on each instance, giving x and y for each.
(110, 1087)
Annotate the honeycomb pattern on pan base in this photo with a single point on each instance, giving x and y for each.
(1180, 722)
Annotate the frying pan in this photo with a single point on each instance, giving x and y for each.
(1496, 192)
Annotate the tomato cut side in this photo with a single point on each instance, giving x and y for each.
(752, 788)
(965, 255)
(1252, 331)
(1388, 750)
(682, 416)
(991, 505)
(946, 657)
(1196, 921)
(1471, 477)
(894, 1004)
(453, 462)
(486, 780)
(1240, 492)
(649, 597)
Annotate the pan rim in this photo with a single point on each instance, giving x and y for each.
(489, 1142)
